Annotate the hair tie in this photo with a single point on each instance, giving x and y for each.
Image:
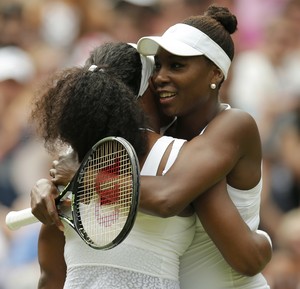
(92, 67)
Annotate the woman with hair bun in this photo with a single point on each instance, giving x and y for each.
(192, 60)
(77, 107)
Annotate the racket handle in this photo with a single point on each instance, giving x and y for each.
(17, 219)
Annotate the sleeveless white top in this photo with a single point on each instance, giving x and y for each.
(203, 267)
(147, 258)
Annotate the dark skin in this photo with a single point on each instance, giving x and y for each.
(230, 149)
(227, 229)
(230, 146)
(52, 264)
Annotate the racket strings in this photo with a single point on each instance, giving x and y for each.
(104, 193)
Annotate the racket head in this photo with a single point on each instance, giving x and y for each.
(106, 193)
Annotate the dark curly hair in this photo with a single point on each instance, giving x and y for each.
(218, 23)
(80, 107)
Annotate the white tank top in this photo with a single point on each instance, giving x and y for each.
(147, 258)
(202, 266)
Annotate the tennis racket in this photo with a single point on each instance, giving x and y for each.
(104, 195)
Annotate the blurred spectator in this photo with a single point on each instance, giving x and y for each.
(174, 11)
(288, 153)
(22, 161)
(19, 267)
(283, 172)
(60, 23)
(265, 80)
(283, 270)
(16, 70)
(291, 10)
(11, 24)
(134, 19)
(96, 18)
(253, 16)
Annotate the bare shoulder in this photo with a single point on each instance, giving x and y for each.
(235, 122)
(235, 116)
(233, 141)
(238, 136)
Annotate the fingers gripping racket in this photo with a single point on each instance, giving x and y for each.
(104, 195)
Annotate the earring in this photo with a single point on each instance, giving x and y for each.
(213, 86)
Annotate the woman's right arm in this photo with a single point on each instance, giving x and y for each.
(51, 258)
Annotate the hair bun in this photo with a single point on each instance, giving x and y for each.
(224, 16)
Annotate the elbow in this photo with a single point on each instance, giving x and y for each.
(163, 201)
(252, 257)
(166, 208)
(250, 269)
(166, 211)
(162, 197)
(251, 264)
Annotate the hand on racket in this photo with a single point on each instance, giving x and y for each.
(44, 192)
(105, 194)
(43, 205)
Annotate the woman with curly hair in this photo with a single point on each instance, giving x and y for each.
(78, 107)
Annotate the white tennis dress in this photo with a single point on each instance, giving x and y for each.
(147, 259)
(203, 267)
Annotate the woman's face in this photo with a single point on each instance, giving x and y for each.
(182, 83)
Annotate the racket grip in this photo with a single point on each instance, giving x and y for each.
(17, 219)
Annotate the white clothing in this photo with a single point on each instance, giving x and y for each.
(147, 258)
(202, 266)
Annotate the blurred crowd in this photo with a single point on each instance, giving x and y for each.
(38, 37)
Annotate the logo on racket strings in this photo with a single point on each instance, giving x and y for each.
(107, 187)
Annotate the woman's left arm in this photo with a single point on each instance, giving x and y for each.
(248, 252)
(51, 258)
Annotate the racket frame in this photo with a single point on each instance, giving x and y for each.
(17, 219)
(135, 175)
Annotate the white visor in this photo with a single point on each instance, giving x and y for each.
(147, 70)
(185, 40)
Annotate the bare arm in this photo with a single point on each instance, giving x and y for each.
(246, 251)
(234, 153)
(202, 162)
(51, 258)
